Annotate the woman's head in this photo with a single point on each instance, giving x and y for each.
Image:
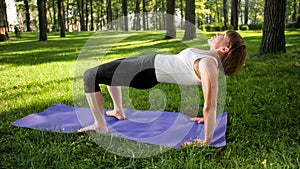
(231, 50)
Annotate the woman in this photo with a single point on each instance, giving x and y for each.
(189, 67)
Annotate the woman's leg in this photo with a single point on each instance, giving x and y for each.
(95, 101)
(116, 95)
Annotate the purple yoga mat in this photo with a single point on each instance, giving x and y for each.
(145, 126)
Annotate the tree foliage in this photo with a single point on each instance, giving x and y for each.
(96, 14)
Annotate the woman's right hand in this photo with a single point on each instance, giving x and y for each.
(198, 120)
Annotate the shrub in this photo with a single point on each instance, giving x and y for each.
(211, 28)
(244, 27)
(255, 26)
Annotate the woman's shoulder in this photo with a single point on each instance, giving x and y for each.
(209, 61)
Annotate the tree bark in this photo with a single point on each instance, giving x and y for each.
(42, 20)
(125, 13)
(92, 15)
(294, 15)
(225, 12)
(137, 15)
(86, 15)
(246, 11)
(145, 18)
(61, 18)
(80, 4)
(181, 14)
(163, 16)
(3, 22)
(235, 14)
(109, 14)
(54, 27)
(273, 40)
(170, 20)
(190, 21)
(28, 28)
(67, 18)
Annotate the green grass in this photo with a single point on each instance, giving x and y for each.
(263, 103)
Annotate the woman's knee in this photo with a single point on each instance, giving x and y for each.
(89, 75)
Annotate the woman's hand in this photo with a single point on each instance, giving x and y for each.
(196, 142)
(198, 120)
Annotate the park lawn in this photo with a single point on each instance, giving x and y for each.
(263, 103)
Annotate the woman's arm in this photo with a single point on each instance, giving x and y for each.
(209, 77)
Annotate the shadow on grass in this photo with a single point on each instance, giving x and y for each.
(31, 52)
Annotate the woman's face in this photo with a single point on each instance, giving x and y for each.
(218, 41)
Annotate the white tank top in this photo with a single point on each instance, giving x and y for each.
(178, 69)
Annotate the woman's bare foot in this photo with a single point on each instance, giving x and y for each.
(116, 114)
(94, 127)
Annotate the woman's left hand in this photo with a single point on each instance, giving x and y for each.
(196, 142)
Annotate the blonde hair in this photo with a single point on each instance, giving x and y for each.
(234, 60)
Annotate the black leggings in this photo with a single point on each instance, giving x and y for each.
(137, 72)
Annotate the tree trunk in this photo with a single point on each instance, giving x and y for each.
(273, 40)
(246, 11)
(92, 15)
(42, 20)
(86, 15)
(46, 15)
(125, 13)
(109, 14)
(81, 15)
(28, 28)
(61, 18)
(137, 15)
(190, 21)
(67, 18)
(181, 14)
(240, 12)
(55, 27)
(225, 12)
(294, 15)
(235, 14)
(163, 19)
(145, 27)
(170, 20)
(3, 22)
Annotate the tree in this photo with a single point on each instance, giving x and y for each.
(42, 19)
(80, 4)
(190, 20)
(225, 12)
(235, 14)
(137, 15)
(3, 22)
(54, 27)
(86, 15)
(61, 18)
(145, 18)
(170, 20)
(92, 15)
(273, 40)
(246, 11)
(27, 16)
(124, 14)
(109, 14)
